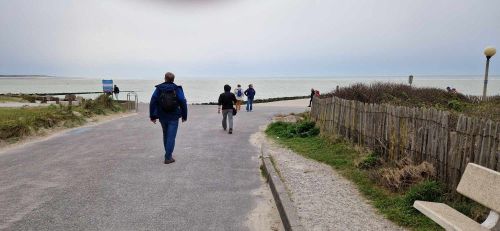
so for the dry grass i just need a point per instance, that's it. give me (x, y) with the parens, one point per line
(7, 98)
(18, 122)
(403, 175)
(400, 94)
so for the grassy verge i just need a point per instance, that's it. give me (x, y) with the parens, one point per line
(16, 123)
(405, 95)
(6, 99)
(342, 156)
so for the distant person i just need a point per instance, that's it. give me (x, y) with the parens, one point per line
(226, 100)
(448, 89)
(250, 93)
(168, 104)
(312, 96)
(454, 91)
(238, 92)
(116, 91)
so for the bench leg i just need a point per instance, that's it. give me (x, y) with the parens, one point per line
(492, 221)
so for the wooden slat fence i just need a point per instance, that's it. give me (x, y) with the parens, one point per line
(420, 134)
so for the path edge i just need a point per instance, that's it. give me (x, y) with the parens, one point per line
(287, 211)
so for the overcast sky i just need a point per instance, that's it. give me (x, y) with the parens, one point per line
(145, 38)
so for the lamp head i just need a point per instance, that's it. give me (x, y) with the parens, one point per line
(489, 52)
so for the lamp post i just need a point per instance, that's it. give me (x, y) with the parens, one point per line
(488, 52)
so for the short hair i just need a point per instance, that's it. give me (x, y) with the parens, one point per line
(169, 77)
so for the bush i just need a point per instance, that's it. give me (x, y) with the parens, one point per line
(427, 190)
(29, 98)
(98, 106)
(12, 130)
(404, 175)
(456, 105)
(371, 161)
(290, 130)
(398, 94)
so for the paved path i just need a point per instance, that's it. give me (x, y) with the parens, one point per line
(112, 177)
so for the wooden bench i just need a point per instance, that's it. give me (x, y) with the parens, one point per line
(479, 184)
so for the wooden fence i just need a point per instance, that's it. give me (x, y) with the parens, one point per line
(420, 134)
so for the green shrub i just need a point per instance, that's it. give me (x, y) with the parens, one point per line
(470, 208)
(306, 129)
(371, 161)
(428, 190)
(456, 105)
(290, 130)
(29, 98)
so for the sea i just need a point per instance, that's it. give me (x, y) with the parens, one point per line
(207, 89)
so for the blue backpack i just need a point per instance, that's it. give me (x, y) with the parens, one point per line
(239, 93)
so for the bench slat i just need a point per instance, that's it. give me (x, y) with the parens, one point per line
(482, 185)
(447, 217)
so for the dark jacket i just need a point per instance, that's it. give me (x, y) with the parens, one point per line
(116, 90)
(227, 99)
(250, 93)
(155, 111)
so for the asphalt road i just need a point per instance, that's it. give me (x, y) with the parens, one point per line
(112, 177)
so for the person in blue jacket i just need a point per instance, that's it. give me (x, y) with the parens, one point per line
(168, 93)
(250, 93)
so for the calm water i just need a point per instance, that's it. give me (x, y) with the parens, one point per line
(203, 90)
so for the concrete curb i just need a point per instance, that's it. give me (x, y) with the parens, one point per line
(284, 204)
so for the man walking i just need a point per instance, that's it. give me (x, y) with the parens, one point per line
(250, 93)
(168, 104)
(116, 90)
(227, 100)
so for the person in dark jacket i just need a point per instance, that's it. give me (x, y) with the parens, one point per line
(250, 93)
(116, 90)
(313, 92)
(226, 100)
(169, 120)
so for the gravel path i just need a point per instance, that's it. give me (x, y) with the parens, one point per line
(324, 199)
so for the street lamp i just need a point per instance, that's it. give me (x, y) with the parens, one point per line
(488, 52)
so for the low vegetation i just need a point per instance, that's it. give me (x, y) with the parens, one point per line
(405, 95)
(391, 187)
(19, 122)
(7, 99)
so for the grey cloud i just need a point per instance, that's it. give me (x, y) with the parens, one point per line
(247, 36)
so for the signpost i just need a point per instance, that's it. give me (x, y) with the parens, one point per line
(107, 86)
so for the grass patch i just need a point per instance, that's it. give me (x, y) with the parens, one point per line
(343, 157)
(7, 99)
(18, 122)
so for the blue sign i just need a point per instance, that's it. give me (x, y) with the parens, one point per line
(107, 86)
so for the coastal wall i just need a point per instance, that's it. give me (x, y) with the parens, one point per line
(421, 134)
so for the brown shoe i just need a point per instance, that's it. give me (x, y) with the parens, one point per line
(169, 161)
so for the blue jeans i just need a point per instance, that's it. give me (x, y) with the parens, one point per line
(249, 104)
(169, 128)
